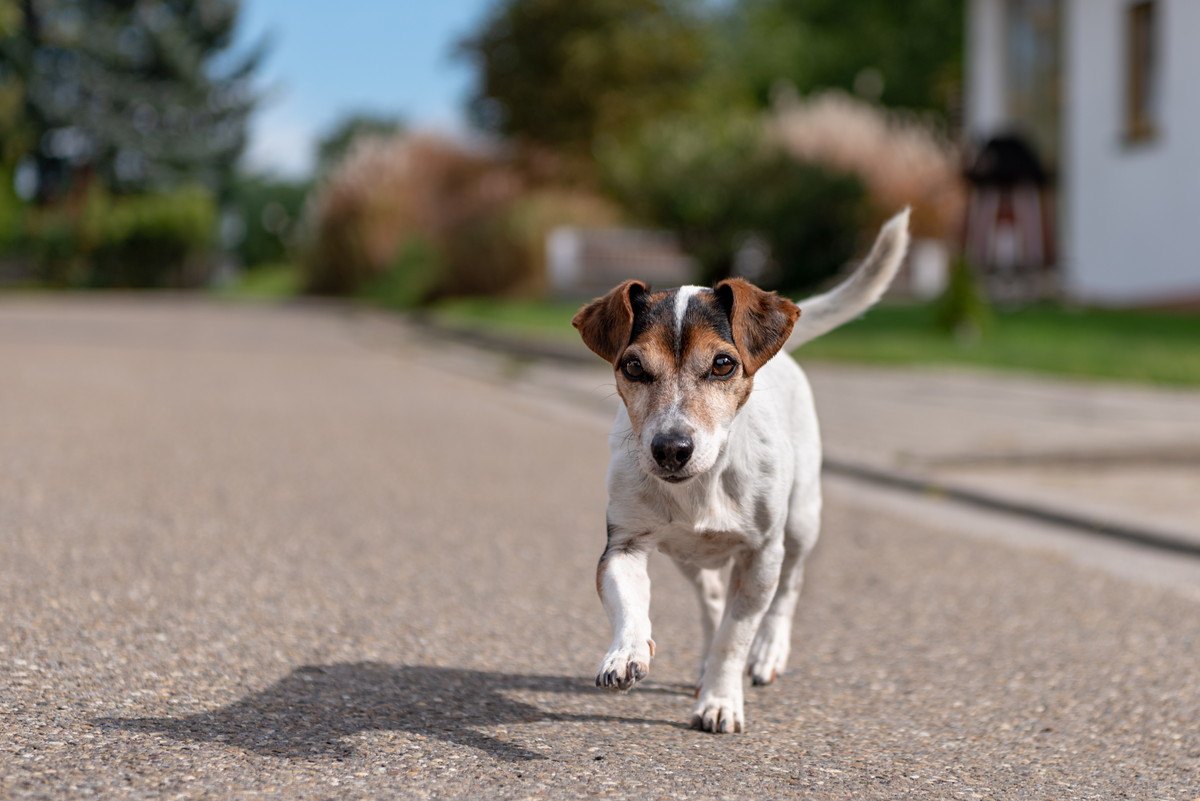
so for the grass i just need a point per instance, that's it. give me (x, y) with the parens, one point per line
(274, 281)
(545, 319)
(1149, 347)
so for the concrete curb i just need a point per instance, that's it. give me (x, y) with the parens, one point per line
(1161, 540)
(564, 353)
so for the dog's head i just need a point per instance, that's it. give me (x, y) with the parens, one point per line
(685, 361)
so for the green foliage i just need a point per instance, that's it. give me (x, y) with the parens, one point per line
(341, 137)
(145, 95)
(521, 317)
(11, 213)
(269, 210)
(410, 280)
(50, 239)
(903, 54)
(135, 241)
(962, 309)
(264, 282)
(559, 72)
(152, 240)
(809, 216)
(714, 182)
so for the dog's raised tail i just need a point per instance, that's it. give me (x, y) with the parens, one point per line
(823, 313)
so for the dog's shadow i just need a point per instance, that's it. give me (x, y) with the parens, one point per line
(308, 713)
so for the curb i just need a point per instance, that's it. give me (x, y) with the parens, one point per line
(535, 350)
(1161, 540)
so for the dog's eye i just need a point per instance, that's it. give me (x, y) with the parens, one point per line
(723, 366)
(633, 370)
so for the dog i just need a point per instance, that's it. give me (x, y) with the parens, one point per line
(716, 459)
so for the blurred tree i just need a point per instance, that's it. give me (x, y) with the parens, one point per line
(268, 211)
(716, 183)
(903, 54)
(143, 94)
(338, 141)
(13, 131)
(558, 72)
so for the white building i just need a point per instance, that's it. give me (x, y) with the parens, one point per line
(1109, 93)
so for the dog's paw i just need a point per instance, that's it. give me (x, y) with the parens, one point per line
(769, 653)
(719, 715)
(624, 667)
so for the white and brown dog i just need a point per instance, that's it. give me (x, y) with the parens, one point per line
(716, 458)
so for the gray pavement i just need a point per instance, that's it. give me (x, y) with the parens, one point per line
(305, 553)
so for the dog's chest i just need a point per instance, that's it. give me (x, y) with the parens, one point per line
(708, 529)
(702, 548)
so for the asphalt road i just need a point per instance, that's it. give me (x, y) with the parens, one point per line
(301, 553)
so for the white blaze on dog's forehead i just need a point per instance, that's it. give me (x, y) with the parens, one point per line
(682, 298)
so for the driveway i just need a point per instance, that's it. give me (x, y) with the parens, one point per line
(302, 552)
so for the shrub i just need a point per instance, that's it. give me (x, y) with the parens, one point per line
(149, 240)
(809, 216)
(11, 213)
(961, 309)
(899, 159)
(50, 239)
(133, 241)
(506, 252)
(389, 190)
(717, 183)
(409, 280)
(269, 212)
(413, 217)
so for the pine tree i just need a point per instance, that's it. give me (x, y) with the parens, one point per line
(142, 94)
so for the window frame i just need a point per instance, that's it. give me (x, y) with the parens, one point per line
(1142, 71)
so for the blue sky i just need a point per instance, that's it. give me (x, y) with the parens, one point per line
(329, 59)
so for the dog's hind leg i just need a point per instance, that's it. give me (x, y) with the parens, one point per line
(772, 644)
(710, 591)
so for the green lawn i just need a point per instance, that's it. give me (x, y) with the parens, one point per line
(268, 282)
(1121, 345)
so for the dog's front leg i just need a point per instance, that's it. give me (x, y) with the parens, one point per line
(624, 588)
(752, 583)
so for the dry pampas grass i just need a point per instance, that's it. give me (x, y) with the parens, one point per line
(900, 159)
(481, 217)
(388, 190)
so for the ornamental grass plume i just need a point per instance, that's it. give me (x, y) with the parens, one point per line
(390, 191)
(900, 159)
(437, 218)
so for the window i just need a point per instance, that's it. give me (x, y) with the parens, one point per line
(1031, 73)
(1141, 71)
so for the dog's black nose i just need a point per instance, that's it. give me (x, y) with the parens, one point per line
(671, 450)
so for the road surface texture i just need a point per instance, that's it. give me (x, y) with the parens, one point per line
(303, 553)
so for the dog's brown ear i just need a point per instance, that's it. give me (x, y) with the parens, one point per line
(605, 323)
(761, 321)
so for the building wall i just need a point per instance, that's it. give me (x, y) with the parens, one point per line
(1132, 211)
(985, 107)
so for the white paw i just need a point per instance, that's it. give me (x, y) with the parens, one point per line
(624, 667)
(719, 714)
(769, 653)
